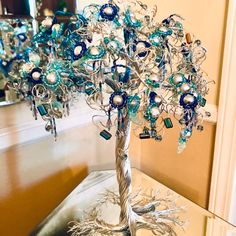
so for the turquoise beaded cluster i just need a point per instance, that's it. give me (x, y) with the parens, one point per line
(124, 63)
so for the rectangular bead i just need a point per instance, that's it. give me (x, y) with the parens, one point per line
(42, 110)
(105, 134)
(168, 123)
(203, 102)
(144, 136)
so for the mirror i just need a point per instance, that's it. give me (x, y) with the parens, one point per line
(15, 36)
(14, 7)
(45, 8)
(17, 24)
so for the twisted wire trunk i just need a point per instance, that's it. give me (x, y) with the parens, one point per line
(123, 171)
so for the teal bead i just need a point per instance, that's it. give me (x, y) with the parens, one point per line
(105, 134)
(42, 110)
(168, 123)
(203, 102)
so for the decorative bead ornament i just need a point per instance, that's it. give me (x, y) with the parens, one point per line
(125, 64)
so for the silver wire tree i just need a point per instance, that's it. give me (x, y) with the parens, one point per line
(129, 66)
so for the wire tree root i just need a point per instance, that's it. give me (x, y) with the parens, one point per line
(159, 215)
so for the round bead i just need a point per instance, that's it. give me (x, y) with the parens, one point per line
(153, 77)
(156, 40)
(94, 51)
(51, 78)
(36, 75)
(133, 103)
(178, 79)
(47, 22)
(155, 112)
(185, 88)
(163, 29)
(158, 100)
(188, 99)
(56, 27)
(77, 50)
(108, 11)
(118, 100)
(140, 46)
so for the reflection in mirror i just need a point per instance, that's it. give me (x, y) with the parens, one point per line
(48, 8)
(14, 7)
(15, 36)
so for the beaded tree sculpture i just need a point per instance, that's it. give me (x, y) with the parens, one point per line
(131, 67)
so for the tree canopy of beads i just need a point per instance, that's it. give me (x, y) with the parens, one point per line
(124, 61)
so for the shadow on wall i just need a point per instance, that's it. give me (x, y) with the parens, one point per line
(23, 208)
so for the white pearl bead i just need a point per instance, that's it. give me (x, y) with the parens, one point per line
(156, 39)
(94, 51)
(158, 100)
(108, 10)
(47, 22)
(36, 75)
(163, 29)
(178, 78)
(153, 77)
(51, 78)
(185, 87)
(77, 50)
(155, 112)
(21, 37)
(140, 46)
(133, 103)
(188, 99)
(118, 100)
(56, 27)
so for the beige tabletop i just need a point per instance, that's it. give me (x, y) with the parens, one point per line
(198, 222)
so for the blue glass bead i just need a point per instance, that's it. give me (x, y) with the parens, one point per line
(144, 46)
(42, 110)
(118, 100)
(188, 101)
(108, 11)
(35, 76)
(22, 37)
(78, 50)
(152, 96)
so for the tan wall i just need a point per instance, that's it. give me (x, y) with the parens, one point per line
(35, 177)
(189, 173)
